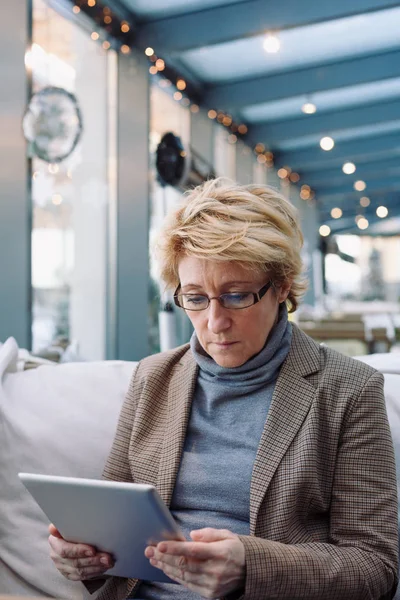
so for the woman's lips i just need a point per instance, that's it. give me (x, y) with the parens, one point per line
(224, 344)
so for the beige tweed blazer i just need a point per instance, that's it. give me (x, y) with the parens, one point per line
(323, 505)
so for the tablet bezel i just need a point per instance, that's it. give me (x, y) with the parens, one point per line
(121, 518)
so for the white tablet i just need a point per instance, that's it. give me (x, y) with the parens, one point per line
(115, 517)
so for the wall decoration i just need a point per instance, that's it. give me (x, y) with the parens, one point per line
(52, 124)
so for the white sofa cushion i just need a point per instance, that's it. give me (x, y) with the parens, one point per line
(56, 420)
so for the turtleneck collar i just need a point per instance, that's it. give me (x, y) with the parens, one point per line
(261, 368)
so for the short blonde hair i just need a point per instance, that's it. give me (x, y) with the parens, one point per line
(253, 225)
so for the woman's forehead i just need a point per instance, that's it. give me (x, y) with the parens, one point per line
(198, 271)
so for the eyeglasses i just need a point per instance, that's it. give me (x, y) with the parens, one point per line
(232, 300)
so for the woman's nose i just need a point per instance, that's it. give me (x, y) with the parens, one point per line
(218, 317)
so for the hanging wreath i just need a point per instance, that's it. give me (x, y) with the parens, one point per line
(52, 124)
(171, 163)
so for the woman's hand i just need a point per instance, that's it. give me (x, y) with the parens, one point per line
(213, 565)
(77, 562)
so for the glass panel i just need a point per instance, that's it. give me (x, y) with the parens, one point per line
(71, 198)
(166, 115)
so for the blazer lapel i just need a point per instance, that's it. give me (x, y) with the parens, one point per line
(180, 395)
(291, 401)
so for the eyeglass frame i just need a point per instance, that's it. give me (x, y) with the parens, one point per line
(257, 296)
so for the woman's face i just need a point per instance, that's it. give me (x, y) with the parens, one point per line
(230, 336)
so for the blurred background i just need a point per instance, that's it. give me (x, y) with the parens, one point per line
(110, 110)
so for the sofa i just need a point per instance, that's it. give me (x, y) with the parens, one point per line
(61, 419)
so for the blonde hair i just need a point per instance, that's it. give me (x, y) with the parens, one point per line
(253, 225)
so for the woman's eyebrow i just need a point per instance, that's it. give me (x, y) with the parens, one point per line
(225, 284)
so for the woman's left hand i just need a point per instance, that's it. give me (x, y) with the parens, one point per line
(213, 565)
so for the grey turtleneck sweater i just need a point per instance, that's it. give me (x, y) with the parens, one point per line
(228, 414)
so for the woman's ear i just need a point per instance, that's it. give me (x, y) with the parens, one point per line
(283, 291)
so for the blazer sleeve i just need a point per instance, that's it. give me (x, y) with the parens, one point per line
(361, 560)
(117, 469)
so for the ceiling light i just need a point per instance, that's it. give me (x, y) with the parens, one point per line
(382, 212)
(271, 44)
(336, 213)
(362, 223)
(327, 143)
(309, 108)
(349, 168)
(324, 230)
(365, 201)
(360, 185)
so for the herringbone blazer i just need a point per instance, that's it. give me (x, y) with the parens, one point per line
(323, 505)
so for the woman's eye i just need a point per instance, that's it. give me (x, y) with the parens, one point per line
(195, 299)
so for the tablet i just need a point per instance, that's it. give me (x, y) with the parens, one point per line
(115, 517)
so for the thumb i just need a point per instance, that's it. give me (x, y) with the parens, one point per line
(54, 531)
(209, 534)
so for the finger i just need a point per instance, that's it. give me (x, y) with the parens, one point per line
(179, 562)
(194, 550)
(196, 582)
(104, 561)
(54, 531)
(74, 574)
(209, 534)
(70, 550)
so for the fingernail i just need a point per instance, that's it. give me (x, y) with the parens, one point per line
(104, 560)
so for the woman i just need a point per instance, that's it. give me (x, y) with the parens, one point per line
(274, 453)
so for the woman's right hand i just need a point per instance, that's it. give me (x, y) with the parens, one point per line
(77, 562)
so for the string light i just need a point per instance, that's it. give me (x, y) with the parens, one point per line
(181, 84)
(336, 213)
(56, 199)
(153, 70)
(324, 230)
(76, 10)
(212, 114)
(125, 49)
(106, 45)
(232, 139)
(178, 96)
(160, 64)
(309, 108)
(382, 212)
(107, 19)
(95, 36)
(349, 168)
(282, 173)
(149, 51)
(362, 223)
(242, 129)
(360, 185)
(294, 177)
(262, 159)
(125, 27)
(327, 143)
(271, 44)
(365, 201)
(194, 108)
(91, 3)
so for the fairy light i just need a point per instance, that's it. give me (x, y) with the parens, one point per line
(324, 230)
(149, 51)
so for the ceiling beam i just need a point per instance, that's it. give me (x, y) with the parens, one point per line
(221, 24)
(358, 149)
(348, 225)
(326, 123)
(338, 193)
(321, 78)
(351, 209)
(374, 169)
